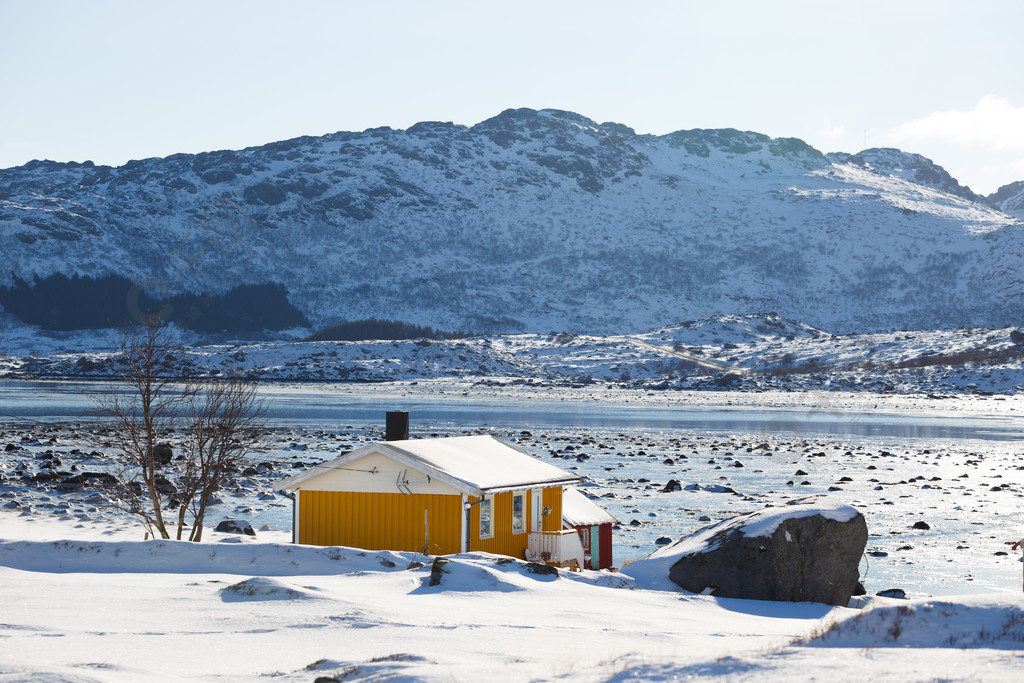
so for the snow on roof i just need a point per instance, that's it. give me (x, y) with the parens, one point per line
(483, 462)
(472, 464)
(578, 510)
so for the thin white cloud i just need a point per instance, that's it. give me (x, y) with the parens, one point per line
(833, 130)
(994, 122)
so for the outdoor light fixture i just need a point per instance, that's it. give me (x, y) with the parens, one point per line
(547, 511)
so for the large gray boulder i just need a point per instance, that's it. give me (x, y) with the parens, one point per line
(806, 551)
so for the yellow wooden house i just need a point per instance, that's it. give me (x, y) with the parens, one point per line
(438, 496)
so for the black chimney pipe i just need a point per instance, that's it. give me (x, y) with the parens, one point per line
(396, 426)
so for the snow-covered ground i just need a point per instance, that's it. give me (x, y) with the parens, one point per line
(84, 598)
(237, 609)
(121, 608)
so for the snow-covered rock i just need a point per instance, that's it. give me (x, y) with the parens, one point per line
(803, 551)
(236, 526)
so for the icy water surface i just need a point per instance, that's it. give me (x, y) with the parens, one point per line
(314, 405)
(955, 471)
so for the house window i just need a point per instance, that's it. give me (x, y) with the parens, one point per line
(486, 529)
(518, 513)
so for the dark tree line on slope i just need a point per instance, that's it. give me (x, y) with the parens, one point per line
(220, 421)
(372, 328)
(58, 302)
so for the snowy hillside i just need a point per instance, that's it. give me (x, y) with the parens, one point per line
(747, 353)
(533, 221)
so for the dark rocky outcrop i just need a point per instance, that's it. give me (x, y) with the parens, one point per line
(78, 481)
(236, 526)
(164, 485)
(540, 568)
(728, 379)
(1008, 198)
(796, 553)
(162, 453)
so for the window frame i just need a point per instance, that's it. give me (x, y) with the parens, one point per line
(486, 503)
(521, 528)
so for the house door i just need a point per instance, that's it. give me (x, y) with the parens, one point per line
(538, 510)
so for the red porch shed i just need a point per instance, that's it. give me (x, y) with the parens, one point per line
(594, 525)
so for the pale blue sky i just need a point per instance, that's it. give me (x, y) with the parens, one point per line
(113, 81)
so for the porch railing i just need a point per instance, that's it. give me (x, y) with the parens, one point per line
(561, 548)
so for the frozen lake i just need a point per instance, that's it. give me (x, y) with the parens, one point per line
(950, 463)
(330, 405)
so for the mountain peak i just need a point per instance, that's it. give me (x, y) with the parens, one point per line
(702, 142)
(907, 165)
(522, 125)
(1009, 198)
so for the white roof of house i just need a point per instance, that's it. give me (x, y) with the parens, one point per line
(472, 464)
(578, 510)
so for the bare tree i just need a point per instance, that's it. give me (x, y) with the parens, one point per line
(142, 402)
(225, 422)
(221, 422)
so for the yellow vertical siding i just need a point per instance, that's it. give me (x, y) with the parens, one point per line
(504, 541)
(553, 500)
(392, 521)
(380, 521)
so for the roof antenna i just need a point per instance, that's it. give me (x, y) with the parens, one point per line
(404, 483)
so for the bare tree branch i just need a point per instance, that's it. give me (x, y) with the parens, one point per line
(143, 403)
(225, 423)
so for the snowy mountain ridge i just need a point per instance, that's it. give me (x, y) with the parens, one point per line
(1009, 198)
(887, 161)
(535, 221)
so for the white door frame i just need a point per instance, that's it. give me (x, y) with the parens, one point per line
(537, 496)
